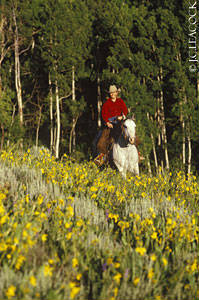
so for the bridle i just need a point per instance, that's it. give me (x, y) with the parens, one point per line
(127, 139)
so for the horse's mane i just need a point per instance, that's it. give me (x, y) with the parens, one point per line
(116, 131)
(116, 134)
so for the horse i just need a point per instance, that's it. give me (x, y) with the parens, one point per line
(124, 150)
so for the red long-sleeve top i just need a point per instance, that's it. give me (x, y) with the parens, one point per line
(112, 109)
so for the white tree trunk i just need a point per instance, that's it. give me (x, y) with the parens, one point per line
(154, 153)
(17, 71)
(38, 127)
(148, 164)
(71, 134)
(197, 91)
(5, 43)
(158, 119)
(153, 145)
(99, 103)
(58, 120)
(182, 123)
(183, 143)
(72, 140)
(164, 134)
(2, 46)
(54, 138)
(189, 154)
(188, 134)
(51, 115)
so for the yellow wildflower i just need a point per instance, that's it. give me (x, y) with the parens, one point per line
(19, 262)
(80, 223)
(117, 265)
(153, 257)
(28, 225)
(71, 198)
(115, 291)
(74, 289)
(123, 225)
(165, 262)
(110, 188)
(70, 211)
(93, 189)
(40, 199)
(136, 281)
(25, 234)
(169, 221)
(27, 198)
(117, 278)
(75, 262)
(94, 196)
(44, 237)
(113, 216)
(3, 220)
(69, 235)
(2, 209)
(137, 217)
(194, 266)
(109, 261)
(74, 292)
(140, 250)
(43, 216)
(154, 235)
(150, 274)
(33, 281)
(11, 291)
(47, 270)
(51, 261)
(187, 287)
(79, 276)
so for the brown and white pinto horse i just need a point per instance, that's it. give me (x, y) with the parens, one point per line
(125, 153)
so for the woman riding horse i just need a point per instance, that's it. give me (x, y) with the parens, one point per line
(113, 110)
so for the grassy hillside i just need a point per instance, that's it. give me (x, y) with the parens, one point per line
(69, 231)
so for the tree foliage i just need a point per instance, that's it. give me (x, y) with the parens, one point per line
(142, 47)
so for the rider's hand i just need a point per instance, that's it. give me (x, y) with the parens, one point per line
(120, 118)
(109, 125)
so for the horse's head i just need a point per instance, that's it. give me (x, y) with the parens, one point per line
(129, 130)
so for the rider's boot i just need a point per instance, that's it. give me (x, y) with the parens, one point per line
(100, 159)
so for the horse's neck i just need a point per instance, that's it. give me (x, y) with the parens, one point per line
(122, 142)
(116, 132)
(118, 136)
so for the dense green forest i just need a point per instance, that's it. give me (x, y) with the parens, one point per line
(58, 58)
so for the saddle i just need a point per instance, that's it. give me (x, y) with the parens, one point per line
(105, 145)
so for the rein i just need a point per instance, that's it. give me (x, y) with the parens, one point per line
(126, 138)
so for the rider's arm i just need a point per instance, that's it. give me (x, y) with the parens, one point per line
(109, 124)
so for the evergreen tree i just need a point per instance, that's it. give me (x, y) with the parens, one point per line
(64, 42)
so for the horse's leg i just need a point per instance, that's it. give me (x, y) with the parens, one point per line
(136, 169)
(119, 160)
(136, 166)
(133, 160)
(121, 168)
